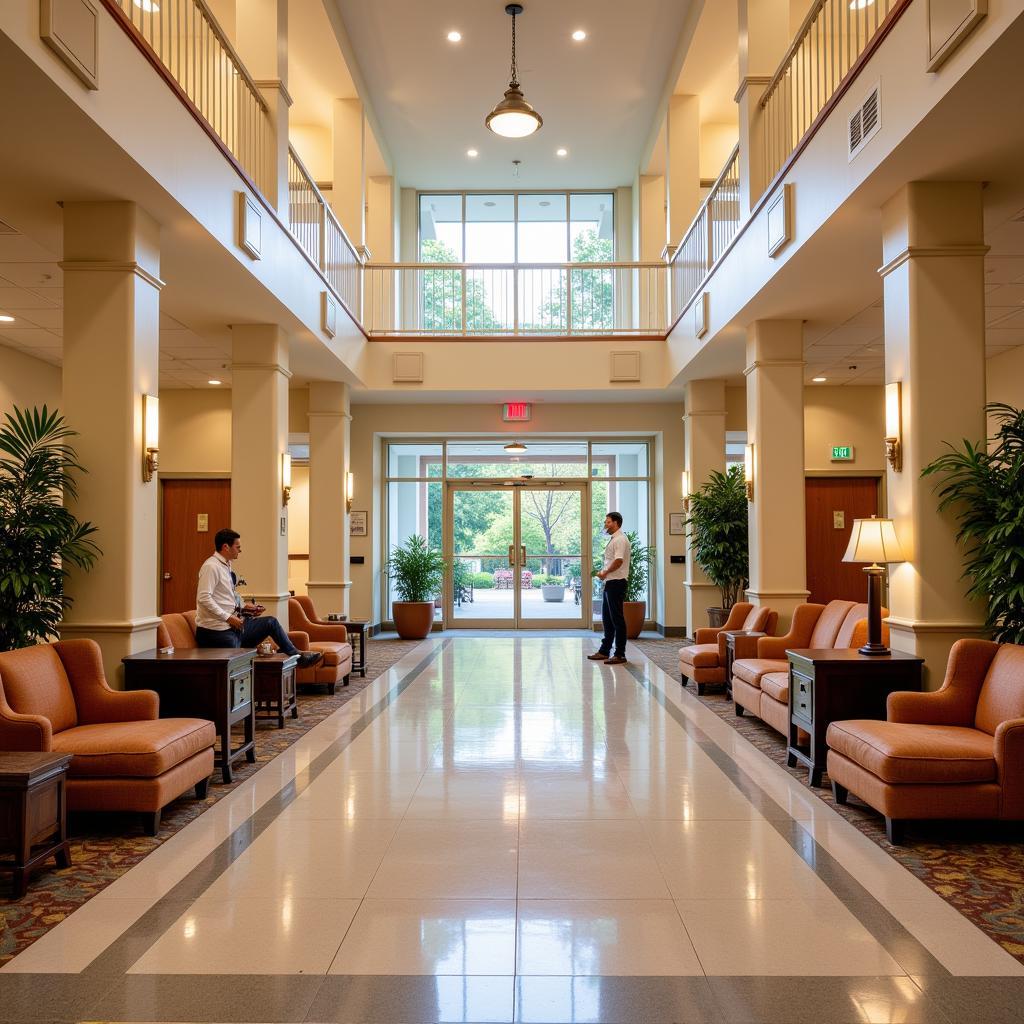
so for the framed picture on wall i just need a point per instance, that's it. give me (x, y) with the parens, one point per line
(357, 524)
(676, 523)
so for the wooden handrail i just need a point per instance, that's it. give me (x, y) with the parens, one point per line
(328, 211)
(231, 51)
(617, 265)
(707, 201)
(801, 32)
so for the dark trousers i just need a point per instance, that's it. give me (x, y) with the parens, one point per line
(251, 633)
(613, 618)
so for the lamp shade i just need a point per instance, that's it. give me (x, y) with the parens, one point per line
(874, 540)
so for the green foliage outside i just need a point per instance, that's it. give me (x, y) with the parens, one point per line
(416, 571)
(593, 290)
(641, 558)
(483, 580)
(982, 487)
(544, 580)
(39, 537)
(441, 301)
(718, 524)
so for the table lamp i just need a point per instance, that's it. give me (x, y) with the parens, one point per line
(874, 540)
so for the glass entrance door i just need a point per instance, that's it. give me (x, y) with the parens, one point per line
(518, 556)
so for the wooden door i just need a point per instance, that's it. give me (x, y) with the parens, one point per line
(831, 501)
(186, 539)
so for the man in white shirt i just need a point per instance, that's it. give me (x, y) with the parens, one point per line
(615, 572)
(221, 618)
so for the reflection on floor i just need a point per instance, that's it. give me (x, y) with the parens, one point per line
(496, 830)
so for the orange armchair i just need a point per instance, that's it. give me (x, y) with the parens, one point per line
(55, 697)
(704, 661)
(955, 753)
(330, 638)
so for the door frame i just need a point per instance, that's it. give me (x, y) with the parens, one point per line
(583, 620)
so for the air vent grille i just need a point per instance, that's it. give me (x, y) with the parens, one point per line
(865, 122)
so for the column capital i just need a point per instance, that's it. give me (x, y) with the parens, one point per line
(914, 252)
(761, 364)
(274, 85)
(330, 415)
(754, 82)
(283, 370)
(703, 412)
(115, 266)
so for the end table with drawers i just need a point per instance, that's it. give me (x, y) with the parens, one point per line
(828, 686)
(274, 682)
(731, 636)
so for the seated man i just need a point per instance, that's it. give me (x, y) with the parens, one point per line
(221, 618)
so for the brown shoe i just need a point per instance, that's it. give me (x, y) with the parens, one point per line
(616, 660)
(597, 656)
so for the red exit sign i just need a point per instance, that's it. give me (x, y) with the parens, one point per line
(515, 412)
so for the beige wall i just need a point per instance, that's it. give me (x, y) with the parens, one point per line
(27, 382)
(844, 415)
(195, 432)
(298, 530)
(1005, 378)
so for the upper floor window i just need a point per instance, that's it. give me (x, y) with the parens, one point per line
(517, 227)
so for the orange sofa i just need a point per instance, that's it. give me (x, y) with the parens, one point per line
(330, 638)
(55, 697)
(760, 683)
(704, 661)
(955, 753)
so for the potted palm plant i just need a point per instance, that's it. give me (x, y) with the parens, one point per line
(718, 539)
(634, 607)
(39, 537)
(417, 574)
(982, 487)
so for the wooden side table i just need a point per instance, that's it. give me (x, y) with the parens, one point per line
(830, 686)
(33, 813)
(731, 635)
(274, 682)
(215, 683)
(357, 627)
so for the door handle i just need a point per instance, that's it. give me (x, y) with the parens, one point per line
(512, 555)
(522, 554)
(167, 576)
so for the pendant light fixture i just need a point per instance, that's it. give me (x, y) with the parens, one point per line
(515, 448)
(513, 117)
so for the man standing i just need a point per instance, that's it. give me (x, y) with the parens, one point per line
(614, 573)
(221, 618)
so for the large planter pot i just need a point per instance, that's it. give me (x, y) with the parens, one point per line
(635, 612)
(413, 619)
(553, 591)
(717, 617)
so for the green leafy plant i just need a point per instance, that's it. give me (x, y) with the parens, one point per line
(718, 521)
(641, 559)
(416, 571)
(483, 580)
(39, 537)
(983, 486)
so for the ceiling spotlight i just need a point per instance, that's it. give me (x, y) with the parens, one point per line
(213, 382)
(562, 151)
(5, 319)
(579, 35)
(472, 153)
(454, 36)
(515, 448)
(819, 380)
(513, 117)
(149, 6)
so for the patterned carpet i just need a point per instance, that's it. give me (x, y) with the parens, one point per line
(104, 847)
(976, 867)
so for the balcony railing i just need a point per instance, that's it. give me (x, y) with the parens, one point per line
(184, 37)
(708, 236)
(831, 40)
(494, 299)
(316, 229)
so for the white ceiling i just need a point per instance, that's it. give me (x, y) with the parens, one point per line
(598, 98)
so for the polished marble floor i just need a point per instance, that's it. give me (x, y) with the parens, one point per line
(498, 829)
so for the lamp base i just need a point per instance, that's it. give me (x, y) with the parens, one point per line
(872, 650)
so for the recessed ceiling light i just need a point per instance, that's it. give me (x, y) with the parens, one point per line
(579, 35)
(149, 6)
(4, 318)
(819, 380)
(561, 151)
(213, 382)
(454, 36)
(472, 153)
(515, 448)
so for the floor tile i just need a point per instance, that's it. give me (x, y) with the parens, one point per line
(552, 796)
(479, 795)
(356, 796)
(603, 937)
(691, 797)
(405, 937)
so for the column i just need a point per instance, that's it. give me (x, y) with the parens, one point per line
(348, 195)
(262, 37)
(259, 438)
(111, 359)
(330, 422)
(704, 425)
(775, 428)
(651, 308)
(683, 165)
(934, 279)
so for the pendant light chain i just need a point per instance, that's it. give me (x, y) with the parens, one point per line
(515, 76)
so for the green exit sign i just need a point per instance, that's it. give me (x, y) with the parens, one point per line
(842, 453)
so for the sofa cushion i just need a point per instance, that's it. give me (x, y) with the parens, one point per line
(826, 629)
(36, 683)
(1002, 693)
(751, 670)
(700, 655)
(334, 654)
(133, 749)
(776, 685)
(898, 752)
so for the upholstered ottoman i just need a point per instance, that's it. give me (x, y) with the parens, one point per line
(335, 667)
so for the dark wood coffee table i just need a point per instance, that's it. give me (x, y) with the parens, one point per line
(215, 683)
(275, 686)
(33, 813)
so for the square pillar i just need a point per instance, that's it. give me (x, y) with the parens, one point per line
(348, 194)
(704, 426)
(259, 439)
(775, 428)
(330, 423)
(683, 165)
(934, 279)
(111, 359)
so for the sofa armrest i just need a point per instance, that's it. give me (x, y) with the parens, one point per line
(95, 700)
(706, 634)
(299, 638)
(23, 732)
(335, 632)
(1009, 750)
(940, 707)
(773, 647)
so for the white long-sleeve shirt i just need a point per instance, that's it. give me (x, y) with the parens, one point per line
(215, 596)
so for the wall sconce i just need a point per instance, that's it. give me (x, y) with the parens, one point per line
(748, 470)
(350, 486)
(150, 435)
(684, 487)
(286, 478)
(894, 425)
